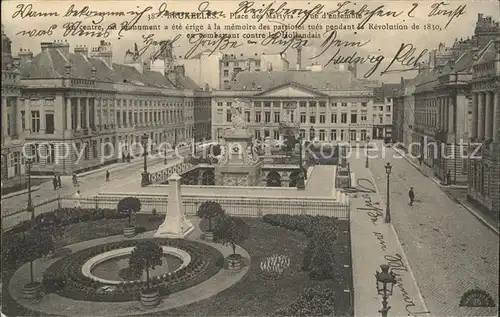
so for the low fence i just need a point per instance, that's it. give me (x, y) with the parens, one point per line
(236, 206)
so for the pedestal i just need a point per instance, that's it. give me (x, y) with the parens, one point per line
(175, 224)
(145, 179)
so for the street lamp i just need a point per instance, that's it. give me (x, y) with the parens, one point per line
(165, 147)
(367, 143)
(145, 174)
(302, 175)
(385, 284)
(29, 208)
(388, 168)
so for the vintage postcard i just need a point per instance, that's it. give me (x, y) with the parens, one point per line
(250, 158)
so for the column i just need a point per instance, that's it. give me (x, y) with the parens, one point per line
(27, 111)
(97, 121)
(42, 118)
(451, 115)
(481, 113)
(78, 114)
(4, 117)
(19, 124)
(102, 121)
(87, 113)
(473, 132)
(488, 125)
(496, 117)
(68, 114)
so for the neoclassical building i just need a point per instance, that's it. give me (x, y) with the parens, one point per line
(326, 105)
(484, 166)
(98, 108)
(12, 134)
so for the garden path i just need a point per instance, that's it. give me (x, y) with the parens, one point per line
(58, 305)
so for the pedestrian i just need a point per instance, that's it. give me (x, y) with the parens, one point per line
(107, 176)
(420, 160)
(448, 178)
(411, 194)
(54, 182)
(59, 183)
(77, 198)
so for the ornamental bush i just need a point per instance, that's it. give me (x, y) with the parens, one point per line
(128, 206)
(209, 210)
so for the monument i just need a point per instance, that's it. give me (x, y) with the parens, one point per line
(239, 165)
(175, 225)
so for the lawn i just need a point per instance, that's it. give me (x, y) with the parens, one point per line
(252, 295)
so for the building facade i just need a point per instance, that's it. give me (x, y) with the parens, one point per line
(78, 110)
(383, 103)
(326, 106)
(12, 132)
(484, 166)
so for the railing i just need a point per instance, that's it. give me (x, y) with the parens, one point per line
(236, 206)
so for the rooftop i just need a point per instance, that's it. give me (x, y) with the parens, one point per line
(323, 81)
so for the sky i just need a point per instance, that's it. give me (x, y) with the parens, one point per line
(376, 42)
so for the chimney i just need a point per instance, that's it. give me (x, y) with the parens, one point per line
(63, 47)
(475, 54)
(104, 52)
(179, 69)
(25, 55)
(299, 58)
(67, 70)
(94, 72)
(82, 49)
(45, 45)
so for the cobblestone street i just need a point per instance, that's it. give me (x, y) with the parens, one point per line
(449, 250)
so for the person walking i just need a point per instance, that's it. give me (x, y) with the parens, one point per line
(411, 194)
(77, 198)
(107, 175)
(54, 182)
(59, 183)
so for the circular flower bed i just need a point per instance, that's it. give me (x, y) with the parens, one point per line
(65, 276)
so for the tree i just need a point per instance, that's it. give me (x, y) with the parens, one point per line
(146, 255)
(230, 231)
(34, 245)
(209, 210)
(128, 206)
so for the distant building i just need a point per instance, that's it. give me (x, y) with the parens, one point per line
(219, 70)
(326, 106)
(382, 110)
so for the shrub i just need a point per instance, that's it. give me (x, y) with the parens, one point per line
(209, 210)
(230, 231)
(145, 256)
(127, 206)
(313, 302)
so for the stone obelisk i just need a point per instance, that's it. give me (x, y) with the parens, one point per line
(175, 225)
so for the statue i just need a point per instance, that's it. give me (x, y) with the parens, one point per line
(236, 115)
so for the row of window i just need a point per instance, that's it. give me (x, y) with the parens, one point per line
(303, 117)
(334, 134)
(302, 104)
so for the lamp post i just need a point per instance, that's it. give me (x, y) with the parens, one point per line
(388, 168)
(30, 208)
(165, 147)
(301, 176)
(367, 143)
(145, 174)
(385, 284)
